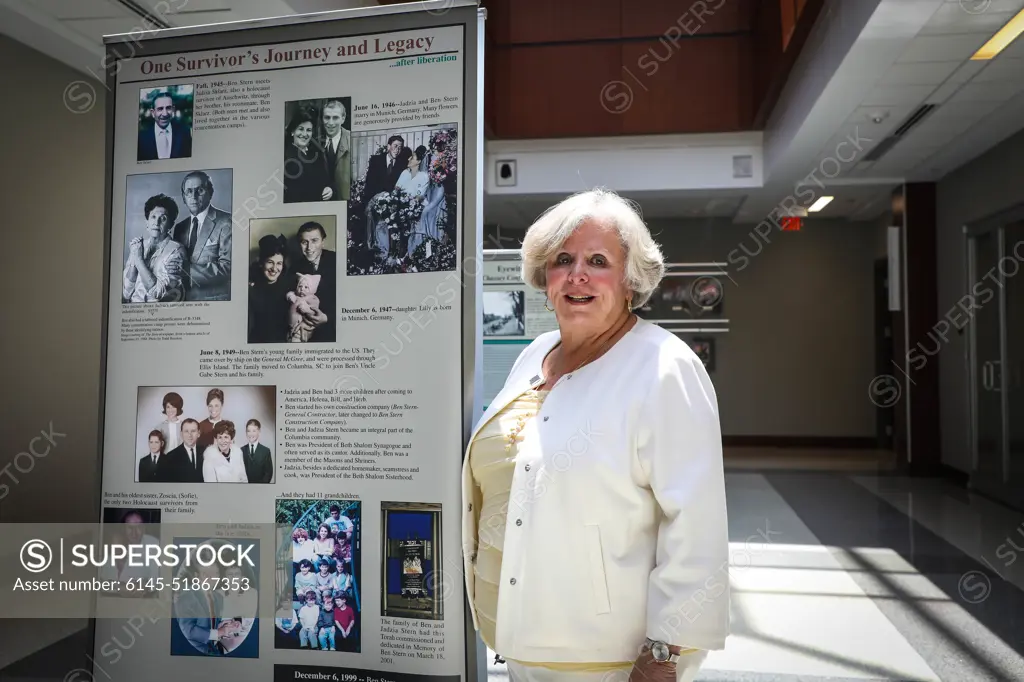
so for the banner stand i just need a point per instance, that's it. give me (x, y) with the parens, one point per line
(291, 349)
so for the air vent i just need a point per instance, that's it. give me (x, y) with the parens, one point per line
(743, 166)
(883, 147)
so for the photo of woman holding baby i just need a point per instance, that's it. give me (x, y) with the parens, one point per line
(293, 280)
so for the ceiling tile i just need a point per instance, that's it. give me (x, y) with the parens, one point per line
(943, 93)
(80, 9)
(942, 48)
(953, 18)
(893, 95)
(1002, 69)
(968, 70)
(985, 92)
(919, 73)
(97, 28)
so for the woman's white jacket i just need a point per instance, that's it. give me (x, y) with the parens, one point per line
(616, 525)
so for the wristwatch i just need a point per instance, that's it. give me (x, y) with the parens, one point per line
(661, 651)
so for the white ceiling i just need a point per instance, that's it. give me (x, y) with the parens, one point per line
(908, 53)
(867, 60)
(72, 30)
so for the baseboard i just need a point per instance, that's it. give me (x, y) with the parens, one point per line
(820, 442)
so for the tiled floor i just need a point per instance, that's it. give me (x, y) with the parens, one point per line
(844, 576)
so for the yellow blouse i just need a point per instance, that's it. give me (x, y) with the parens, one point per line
(492, 466)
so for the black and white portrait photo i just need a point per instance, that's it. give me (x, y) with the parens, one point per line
(402, 211)
(177, 237)
(504, 313)
(165, 122)
(205, 434)
(317, 150)
(293, 280)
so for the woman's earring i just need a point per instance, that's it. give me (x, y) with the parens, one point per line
(546, 307)
(629, 305)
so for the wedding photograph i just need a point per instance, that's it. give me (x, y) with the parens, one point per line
(504, 313)
(293, 279)
(177, 237)
(318, 575)
(205, 434)
(230, 593)
(402, 211)
(165, 122)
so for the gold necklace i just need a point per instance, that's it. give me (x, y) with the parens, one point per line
(514, 433)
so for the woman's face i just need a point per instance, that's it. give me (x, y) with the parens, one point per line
(323, 533)
(586, 279)
(273, 267)
(414, 162)
(214, 407)
(157, 223)
(171, 411)
(302, 133)
(154, 444)
(224, 442)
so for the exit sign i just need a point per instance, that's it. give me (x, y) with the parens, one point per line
(792, 223)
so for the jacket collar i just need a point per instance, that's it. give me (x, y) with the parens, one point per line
(526, 375)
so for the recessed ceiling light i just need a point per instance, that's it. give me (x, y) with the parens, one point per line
(820, 204)
(1003, 37)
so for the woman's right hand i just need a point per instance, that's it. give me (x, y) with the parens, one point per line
(135, 248)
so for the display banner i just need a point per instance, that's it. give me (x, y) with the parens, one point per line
(293, 208)
(512, 315)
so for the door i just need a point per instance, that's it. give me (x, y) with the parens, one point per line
(986, 361)
(1013, 248)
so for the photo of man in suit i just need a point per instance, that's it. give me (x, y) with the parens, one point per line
(259, 465)
(199, 614)
(165, 137)
(384, 169)
(316, 260)
(183, 464)
(337, 145)
(206, 236)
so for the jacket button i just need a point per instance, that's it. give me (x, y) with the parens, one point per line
(527, 467)
(519, 522)
(512, 581)
(469, 508)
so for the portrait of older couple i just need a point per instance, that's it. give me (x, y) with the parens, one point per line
(205, 434)
(317, 150)
(177, 237)
(293, 279)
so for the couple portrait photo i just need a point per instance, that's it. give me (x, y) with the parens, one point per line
(403, 206)
(205, 434)
(317, 150)
(293, 280)
(177, 237)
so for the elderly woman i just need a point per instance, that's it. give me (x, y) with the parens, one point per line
(155, 266)
(594, 526)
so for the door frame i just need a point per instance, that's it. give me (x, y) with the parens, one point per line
(994, 224)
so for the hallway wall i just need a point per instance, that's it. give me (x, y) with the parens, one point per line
(987, 185)
(799, 355)
(53, 244)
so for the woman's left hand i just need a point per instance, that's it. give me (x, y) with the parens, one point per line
(327, 193)
(646, 669)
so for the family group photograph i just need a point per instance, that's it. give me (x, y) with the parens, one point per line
(205, 434)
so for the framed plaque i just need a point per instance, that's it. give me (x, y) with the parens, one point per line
(411, 560)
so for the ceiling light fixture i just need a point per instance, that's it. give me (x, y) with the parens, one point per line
(820, 204)
(1003, 37)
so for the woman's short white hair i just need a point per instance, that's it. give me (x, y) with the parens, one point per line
(645, 265)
